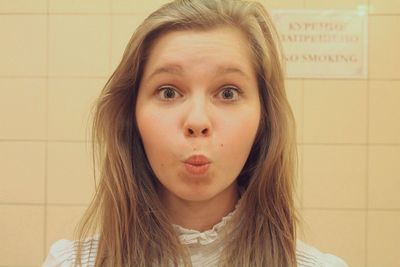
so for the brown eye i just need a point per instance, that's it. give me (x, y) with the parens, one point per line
(166, 93)
(230, 93)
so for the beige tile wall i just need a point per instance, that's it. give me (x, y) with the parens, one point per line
(57, 54)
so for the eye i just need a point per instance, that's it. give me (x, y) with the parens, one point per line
(166, 93)
(231, 93)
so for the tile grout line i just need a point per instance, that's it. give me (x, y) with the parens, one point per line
(302, 140)
(107, 76)
(111, 20)
(312, 208)
(297, 143)
(367, 156)
(302, 146)
(44, 140)
(349, 144)
(315, 208)
(88, 77)
(135, 13)
(93, 14)
(368, 141)
(30, 204)
(46, 132)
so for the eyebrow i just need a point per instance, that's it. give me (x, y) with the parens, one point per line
(177, 69)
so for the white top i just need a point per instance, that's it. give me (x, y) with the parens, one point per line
(205, 248)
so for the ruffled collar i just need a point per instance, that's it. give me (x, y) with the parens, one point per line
(190, 236)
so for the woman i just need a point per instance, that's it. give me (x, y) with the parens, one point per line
(196, 148)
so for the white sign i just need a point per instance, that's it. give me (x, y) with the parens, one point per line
(323, 43)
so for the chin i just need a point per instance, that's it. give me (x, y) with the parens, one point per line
(196, 193)
(197, 198)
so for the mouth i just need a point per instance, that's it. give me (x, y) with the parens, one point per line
(197, 169)
(197, 164)
(197, 160)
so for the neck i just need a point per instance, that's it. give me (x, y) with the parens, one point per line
(201, 215)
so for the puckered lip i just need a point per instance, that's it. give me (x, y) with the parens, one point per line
(197, 160)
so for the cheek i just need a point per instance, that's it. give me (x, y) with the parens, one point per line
(238, 136)
(156, 131)
(149, 124)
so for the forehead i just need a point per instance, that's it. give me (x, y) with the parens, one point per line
(219, 48)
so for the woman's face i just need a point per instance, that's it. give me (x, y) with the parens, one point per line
(198, 96)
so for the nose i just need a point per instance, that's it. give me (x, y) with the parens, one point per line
(197, 121)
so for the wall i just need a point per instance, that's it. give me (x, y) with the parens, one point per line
(57, 54)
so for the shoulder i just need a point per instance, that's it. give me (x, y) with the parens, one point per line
(309, 256)
(63, 252)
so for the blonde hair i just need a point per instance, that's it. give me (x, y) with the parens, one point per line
(126, 210)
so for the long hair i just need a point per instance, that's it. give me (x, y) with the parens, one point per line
(126, 210)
